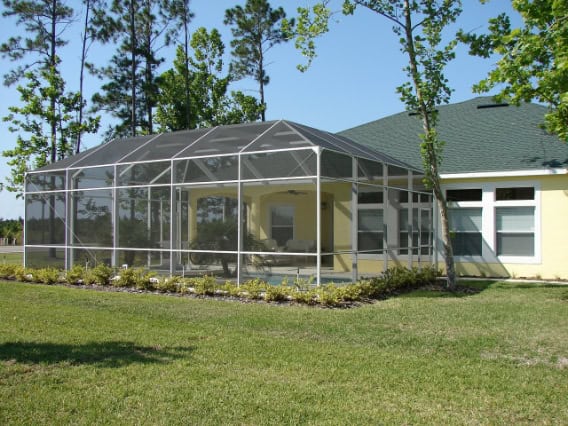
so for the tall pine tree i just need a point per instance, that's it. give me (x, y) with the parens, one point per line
(256, 29)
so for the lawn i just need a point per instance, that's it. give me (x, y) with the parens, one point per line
(16, 258)
(77, 356)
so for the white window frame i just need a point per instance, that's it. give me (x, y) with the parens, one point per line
(279, 205)
(488, 205)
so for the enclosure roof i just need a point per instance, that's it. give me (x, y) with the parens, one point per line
(480, 135)
(278, 135)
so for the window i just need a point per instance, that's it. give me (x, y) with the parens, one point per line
(515, 231)
(456, 195)
(465, 228)
(282, 224)
(505, 194)
(370, 232)
(421, 231)
(496, 221)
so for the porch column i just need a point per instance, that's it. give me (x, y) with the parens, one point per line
(354, 221)
(318, 216)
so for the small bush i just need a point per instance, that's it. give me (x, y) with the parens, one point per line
(278, 293)
(8, 271)
(135, 278)
(46, 275)
(75, 274)
(99, 275)
(170, 284)
(205, 285)
(254, 289)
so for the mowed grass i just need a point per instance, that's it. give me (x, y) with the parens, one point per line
(77, 356)
(16, 258)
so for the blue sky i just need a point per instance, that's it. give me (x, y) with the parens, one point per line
(352, 81)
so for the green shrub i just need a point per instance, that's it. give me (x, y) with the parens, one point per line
(309, 297)
(278, 293)
(254, 289)
(100, 275)
(8, 270)
(75, 274)
(205, 285)
(135, 278)
(171, 284)
(46, 275)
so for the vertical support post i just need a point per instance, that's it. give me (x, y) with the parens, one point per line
(435, 234)
(174, 217)
(239, 219)
(115, 219)
(24, 231)
(410, 235)
(354, 221)
(386, 213)
(318, 216)
(69, 223)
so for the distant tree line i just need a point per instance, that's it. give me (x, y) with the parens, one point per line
(11, 231)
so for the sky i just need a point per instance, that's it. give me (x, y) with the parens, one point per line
(352, 81)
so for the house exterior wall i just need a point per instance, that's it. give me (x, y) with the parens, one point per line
(551, 233)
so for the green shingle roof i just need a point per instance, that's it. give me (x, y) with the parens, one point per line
(480, 136)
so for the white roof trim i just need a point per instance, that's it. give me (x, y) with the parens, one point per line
(513, 173)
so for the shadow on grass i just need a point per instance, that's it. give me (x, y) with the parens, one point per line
(104, 354)
(463, 289)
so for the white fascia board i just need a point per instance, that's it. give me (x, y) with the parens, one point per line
(513, 173)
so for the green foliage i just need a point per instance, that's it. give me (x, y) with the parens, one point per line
(10, 271)
(136, 278)
(75, 274)
(170, 284)
(46, 275)
(99, 275)
(254, 289)
(11, 229)
(206, 285)
(533, 62)
(207, 103)
(256, 28)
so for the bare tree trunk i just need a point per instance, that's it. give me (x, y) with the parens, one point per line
(133, 54)
(81, 74)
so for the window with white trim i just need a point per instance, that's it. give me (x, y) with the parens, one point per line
(282, 224)
(370, 220)
(496, 221)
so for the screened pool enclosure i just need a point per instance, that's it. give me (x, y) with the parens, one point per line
(262, 200)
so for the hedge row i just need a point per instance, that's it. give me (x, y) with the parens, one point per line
(392, 281)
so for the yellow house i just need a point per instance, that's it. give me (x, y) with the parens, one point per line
(505, 180)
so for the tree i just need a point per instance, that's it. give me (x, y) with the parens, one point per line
(45, 123)
(418, 24)
(210, 104)
(256, 28)
(534, 58)
(141, 28)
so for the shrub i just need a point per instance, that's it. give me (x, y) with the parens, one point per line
(135, 278)
(309, 297)
(100, 275)
(8, 270)
(75, 274)
(254, 289)
(277, 293)
(46, 275)
(170, 284)
(205, 285)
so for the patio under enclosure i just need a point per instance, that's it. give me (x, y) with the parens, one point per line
(264, 200)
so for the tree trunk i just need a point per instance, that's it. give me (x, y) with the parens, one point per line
(81, 75)
(133, 53)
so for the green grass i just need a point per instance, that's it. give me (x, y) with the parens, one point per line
(16, 258)
(76, 356)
